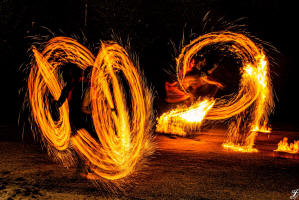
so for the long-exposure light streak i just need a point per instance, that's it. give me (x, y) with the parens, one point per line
(249, 108)
(123, 128)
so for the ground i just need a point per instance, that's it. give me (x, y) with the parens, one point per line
(181, 168)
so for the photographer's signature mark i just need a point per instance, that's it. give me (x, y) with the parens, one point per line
(295, 194)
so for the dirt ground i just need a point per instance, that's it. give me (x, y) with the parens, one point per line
(181, 168)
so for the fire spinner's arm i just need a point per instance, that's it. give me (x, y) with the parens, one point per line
(85, 108)
(205, 76)
(64, 95)
(211, 82)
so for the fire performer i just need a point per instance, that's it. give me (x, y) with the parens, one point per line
(197, 82)
(72, 92)
(86, 103)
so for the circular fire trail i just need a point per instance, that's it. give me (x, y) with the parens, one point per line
(248, 108)
(122, 126)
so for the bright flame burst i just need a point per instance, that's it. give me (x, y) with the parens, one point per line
(181, 118)
(249, 108)
(284, 146)
(123, 132)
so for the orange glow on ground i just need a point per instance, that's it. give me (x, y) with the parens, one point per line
(262, 129)
(239, 148)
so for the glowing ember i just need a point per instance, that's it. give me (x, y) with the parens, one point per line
(239, 148)
(284, 146)
(123, 134)
(262, 129)
(249, 108)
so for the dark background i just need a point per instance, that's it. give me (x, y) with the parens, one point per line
(150, 27)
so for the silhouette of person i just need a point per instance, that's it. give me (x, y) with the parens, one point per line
(197, 82)
(72, 92)
(86, 102)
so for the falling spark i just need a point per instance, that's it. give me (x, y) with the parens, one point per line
(123, 128)
(284, 146)
(249, 108)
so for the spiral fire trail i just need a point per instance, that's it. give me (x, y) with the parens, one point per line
(249, 108)
(122, 127)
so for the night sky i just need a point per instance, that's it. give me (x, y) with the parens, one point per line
(151, 27)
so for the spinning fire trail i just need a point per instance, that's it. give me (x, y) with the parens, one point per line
(123, 135)
(248, 109)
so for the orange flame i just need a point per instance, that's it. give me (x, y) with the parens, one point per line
(123, 135)
(249, 107)
(176, 120)
(284, 146)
